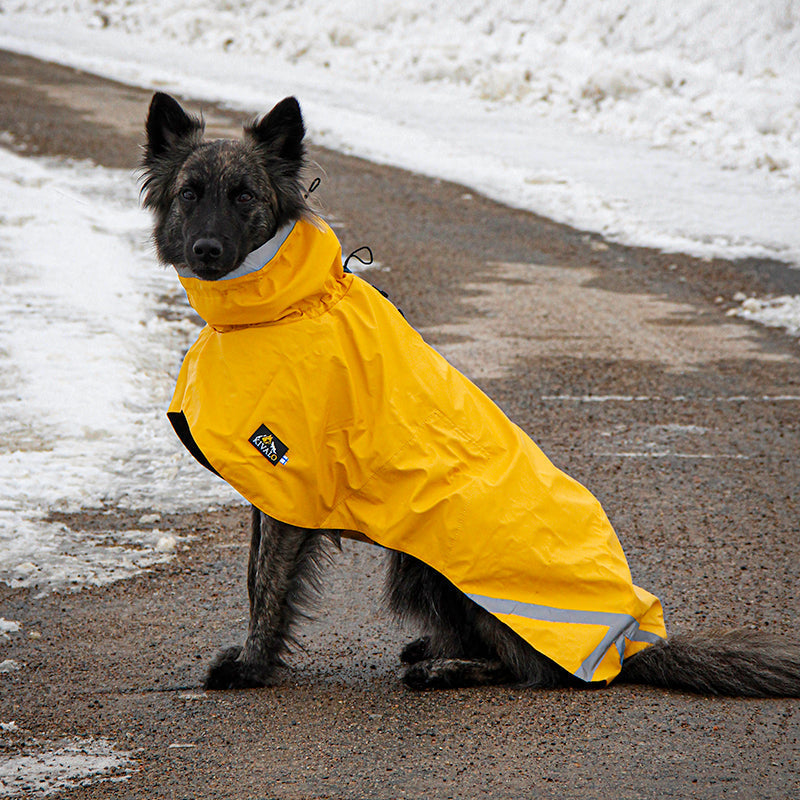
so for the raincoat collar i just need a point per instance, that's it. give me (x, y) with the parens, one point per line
(300, 276)
(254, 261)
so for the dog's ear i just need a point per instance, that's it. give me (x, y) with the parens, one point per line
(168, 124)
(172, 135)
(280, 133)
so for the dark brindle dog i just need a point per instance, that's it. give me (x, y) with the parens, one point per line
(214, 203)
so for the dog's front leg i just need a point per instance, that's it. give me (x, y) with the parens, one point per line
(282, 577)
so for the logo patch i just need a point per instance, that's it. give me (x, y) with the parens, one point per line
(269, 445)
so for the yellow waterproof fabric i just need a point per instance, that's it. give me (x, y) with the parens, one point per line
(309, 393)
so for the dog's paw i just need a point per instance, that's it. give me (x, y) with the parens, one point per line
(417, 676)
(416, 651)
(227, 672)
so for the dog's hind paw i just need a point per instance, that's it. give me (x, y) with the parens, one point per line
(453, 673)
(227, 672)
(415, 651)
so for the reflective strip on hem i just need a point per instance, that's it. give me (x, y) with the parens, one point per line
(620, 626)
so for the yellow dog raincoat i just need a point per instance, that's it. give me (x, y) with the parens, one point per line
(309, 393)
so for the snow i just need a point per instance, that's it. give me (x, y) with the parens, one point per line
(775, 312)
(55, 767)
(8, 626)
(91, 334)
(672, 125)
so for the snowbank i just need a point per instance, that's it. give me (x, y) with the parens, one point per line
(717, 78)
(670, 124)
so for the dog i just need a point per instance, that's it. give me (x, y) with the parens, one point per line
(214, 203)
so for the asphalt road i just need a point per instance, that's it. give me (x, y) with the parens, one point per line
(620, 362)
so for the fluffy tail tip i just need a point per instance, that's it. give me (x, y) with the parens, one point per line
(739, 663)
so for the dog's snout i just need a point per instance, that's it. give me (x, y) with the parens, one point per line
(207, 249)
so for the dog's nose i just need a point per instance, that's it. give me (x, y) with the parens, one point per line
(207, 249)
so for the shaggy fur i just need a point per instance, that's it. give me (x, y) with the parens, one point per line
(215, 202)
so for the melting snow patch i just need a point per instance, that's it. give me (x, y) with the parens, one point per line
(65, 765)
(66, 559)
(776, 312)
(91, 336)
(6, 627)
(166, 544)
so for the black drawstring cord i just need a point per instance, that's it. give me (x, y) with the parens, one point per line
(355, 254)
(357, 257)
(312, 188)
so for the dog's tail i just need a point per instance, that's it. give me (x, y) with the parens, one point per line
(741, 663)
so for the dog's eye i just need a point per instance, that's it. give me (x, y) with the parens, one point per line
(189, 195)
(245, 197)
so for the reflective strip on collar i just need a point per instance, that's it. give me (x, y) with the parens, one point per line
(620, 626)
(254, 261)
